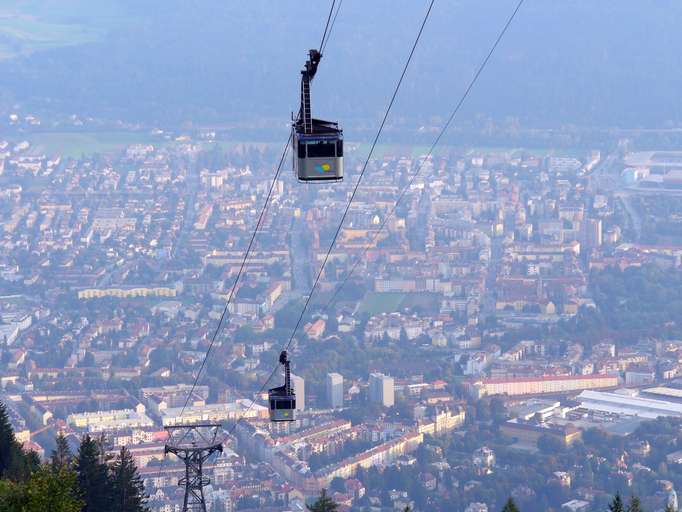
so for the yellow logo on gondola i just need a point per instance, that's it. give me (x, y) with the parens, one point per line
(286, 414)
(323, 168)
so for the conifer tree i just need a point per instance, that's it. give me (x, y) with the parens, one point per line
(7, 442)
(52, 490)
(15, 463)
(510, 506)
(634, 505)
(93, 477)
(323, 504)
(128, 489)
(617, 504)
(11, 496)
(61, 456)
(48, 490)
(218, 506)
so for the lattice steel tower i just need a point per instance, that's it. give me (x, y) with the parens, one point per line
(194, 444)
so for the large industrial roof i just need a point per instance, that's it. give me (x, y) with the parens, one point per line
(628, 405)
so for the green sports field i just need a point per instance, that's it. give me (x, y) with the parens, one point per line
(375, 303)
(75, 144)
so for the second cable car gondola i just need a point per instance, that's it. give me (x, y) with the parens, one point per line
(318, 144)
(282, 399)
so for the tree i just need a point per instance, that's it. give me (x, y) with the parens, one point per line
(510, 506)
(93, 477)
(550, 445)
(337, 484)
(48, 490)
(10, 496)
(8, 443)
(323, 504)
(88, 361)
(218, 506)
(634, 505)
(15, 463)
(404, 340)
(617, 504)
(128, 489)
(53, 490)
(61, 456)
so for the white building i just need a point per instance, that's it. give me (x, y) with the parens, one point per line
(101, 421)
(576, 506)
(642, 377)
(628, 405)
(381, 389)
(298, 383)
(163, 397)
(232, 411)
(335, 390)
(476, 507)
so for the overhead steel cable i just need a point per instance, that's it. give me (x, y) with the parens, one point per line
(350, 201)
(326, 27)
(324, 45)
(325, 39)
(362, 173)
(445, 127)
(239, 273)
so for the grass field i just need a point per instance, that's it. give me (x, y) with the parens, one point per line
(374, 303)
(75, 144)
(25, 34)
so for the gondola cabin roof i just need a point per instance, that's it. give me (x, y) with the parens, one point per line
(320, 127)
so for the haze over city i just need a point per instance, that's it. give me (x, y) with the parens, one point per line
(340, 256)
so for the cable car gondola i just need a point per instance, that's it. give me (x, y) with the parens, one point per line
(318, 144)
(282, 400)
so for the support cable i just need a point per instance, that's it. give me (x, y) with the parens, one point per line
(324, 45)
(326, 27)
(362, 173)
(473, 81)
(239, 273)
(325, 38)
(350, 201)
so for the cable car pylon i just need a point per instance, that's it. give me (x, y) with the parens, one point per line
(193, 445)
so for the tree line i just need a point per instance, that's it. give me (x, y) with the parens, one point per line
(88, 481)
(616, 505)
(325, 504)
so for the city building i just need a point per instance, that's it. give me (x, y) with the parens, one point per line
(530, 431)
(476, 507)
(101, 421)
(381, 389)
(576, 506)
(540, 385)
(213, 412)
(299, 389)
(629, 404)
(335, 390)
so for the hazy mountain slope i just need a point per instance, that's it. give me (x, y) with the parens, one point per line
(612, 62)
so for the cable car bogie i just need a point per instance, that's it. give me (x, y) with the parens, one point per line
(282, 399)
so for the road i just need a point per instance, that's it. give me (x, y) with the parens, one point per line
(603, 177)
(190, 213)
(489, 297)
(300, 256)
(635, 218)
